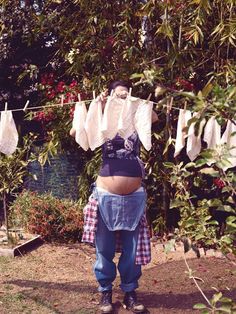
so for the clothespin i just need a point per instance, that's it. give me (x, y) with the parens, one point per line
(130, 91)
(26, 105)
(94, 95)
(169, 105)
(185, 106)
(79, 97)
(62, 100)
(149, 97)
(6, 106)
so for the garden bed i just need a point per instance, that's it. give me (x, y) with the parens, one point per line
(18, 243)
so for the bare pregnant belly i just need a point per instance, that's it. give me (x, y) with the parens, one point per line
(119, 185)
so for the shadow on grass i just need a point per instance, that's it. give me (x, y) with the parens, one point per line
(87, 295)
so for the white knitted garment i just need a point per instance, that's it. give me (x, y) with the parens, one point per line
(8, 133)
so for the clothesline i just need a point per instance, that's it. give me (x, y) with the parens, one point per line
(74, 102)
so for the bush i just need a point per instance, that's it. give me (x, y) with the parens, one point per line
(56, 220)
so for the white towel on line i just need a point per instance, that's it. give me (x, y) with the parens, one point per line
(93, 124)
(184, 117)
(111, 116)
(229, 138)
(143, 123)
(126, 124)
(78, 123)
(212, 133)
(194, 144)
(121, 117)
(8, 133)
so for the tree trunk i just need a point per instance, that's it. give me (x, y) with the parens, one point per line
(5, 213)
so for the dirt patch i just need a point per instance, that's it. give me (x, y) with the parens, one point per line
(59, 279)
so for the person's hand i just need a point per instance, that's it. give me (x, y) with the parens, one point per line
(103, 97)
(72, 132)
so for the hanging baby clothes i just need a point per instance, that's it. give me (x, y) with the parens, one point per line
(111, 116)
(229, 138)
(78, 123)
(125, 116)
(8, 133)
(126, 125)
(143, 123)
(93, 124)
(212, 133)
(194, 141)
(184, 117)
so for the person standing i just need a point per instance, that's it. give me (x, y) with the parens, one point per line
(121, 203)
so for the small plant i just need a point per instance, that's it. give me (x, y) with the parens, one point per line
(57, 220)
(13, 169)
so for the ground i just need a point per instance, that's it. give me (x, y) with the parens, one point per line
(59, 279)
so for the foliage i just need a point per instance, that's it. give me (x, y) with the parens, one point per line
(217, 304)
(184, 51)
(88, 176)
(57, 220)
(214, 198)
(13, 169)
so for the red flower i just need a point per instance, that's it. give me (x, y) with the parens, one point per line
(72, 109)
(70, 97)
(60, 87)
(219, 183)
(111, 41)
(44, 116)
(50, 94)
(184, 84)
(47, 79)
(73, 84)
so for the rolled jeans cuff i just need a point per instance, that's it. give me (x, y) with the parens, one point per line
(106, 288)
(128, 287)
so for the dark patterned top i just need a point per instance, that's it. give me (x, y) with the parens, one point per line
(120, 157)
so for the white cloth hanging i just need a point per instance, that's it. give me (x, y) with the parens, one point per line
(125, 116)
(229, 138)
(93, 124)
(212, 133)
(78, 123)
(121, 116)
(184, 117)
(194, 144)
(143, 123)
(8, 133)
(111, 116)
(126, 125)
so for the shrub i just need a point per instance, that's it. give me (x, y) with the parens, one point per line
(56, 220)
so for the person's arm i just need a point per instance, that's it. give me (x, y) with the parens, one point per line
(72, 132)
(154, 116)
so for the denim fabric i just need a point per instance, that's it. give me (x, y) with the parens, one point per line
(105, 268)
(121, 212)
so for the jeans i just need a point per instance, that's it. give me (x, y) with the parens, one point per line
(121, 212)
(105, 268)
